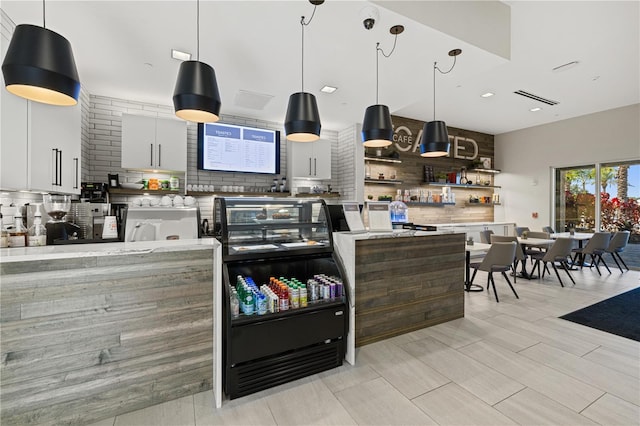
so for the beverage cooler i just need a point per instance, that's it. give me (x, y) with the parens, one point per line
(284, 303)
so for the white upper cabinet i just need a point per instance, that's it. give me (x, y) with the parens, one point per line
(151, 143)
(311, 160)
(55, 144)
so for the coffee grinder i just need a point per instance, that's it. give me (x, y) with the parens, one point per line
(57, 207)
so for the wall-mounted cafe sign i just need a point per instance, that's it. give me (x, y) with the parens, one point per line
(465, 144)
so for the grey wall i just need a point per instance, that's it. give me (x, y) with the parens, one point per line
(526, 158)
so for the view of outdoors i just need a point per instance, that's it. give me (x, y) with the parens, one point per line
(619, 209)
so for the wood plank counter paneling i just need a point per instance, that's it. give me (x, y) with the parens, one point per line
(89, 338)
(404, 284)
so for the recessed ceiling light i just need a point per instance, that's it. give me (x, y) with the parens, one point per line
(328, 89)
(535, 109)
(487, 95)
(181, 56)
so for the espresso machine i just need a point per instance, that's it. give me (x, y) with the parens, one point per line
(58, 229)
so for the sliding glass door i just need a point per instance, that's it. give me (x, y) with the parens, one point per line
(620, 194)
(575, 199)
(598, 197)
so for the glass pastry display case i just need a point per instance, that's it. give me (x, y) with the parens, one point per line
(271, 227)
(285, 313)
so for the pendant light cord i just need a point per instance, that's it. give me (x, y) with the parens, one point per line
(44, 18)
(198, 30)
(435, 67)
(377, 57)
(302, 25)
(379, 49)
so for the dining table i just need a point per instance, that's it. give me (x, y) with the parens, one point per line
(580, 237)
(532, 242)
(475, 248)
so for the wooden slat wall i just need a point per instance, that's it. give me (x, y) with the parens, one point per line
(404, 284)
(89, 338)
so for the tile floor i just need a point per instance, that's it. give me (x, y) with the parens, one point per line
(513, 362)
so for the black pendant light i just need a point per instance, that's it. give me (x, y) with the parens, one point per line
(39, 66)
(435, 138)
(377, 129)
(302, 121)
(196, 96)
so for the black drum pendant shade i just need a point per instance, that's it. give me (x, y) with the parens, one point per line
(196, 96)
(302, 122)
(39, 66)
(377, 130)
(435, 139)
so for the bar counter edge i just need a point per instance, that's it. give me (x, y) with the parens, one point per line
(96, 330)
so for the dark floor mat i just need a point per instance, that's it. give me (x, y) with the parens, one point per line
(618, 315)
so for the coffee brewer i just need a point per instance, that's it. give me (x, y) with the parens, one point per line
(57, 207)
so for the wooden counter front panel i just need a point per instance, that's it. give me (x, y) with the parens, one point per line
(90, 338)
(405, 284)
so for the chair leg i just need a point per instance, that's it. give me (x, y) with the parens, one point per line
(600, 258)
(488, 280)
(493, 284)
(564, 266)
(616, 260)
(546, 268)
(475, 271)
(509, 282)
(557, 273)
(515, 270)
(620, 257)
(593, 262)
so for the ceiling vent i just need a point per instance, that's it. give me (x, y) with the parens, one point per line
(252, 100)
(535, 97)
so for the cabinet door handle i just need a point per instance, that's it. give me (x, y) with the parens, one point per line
(315, 167)
(77, 163)
(60, 168)
(309, 166)
(54, 166)
(159, 154)
(151, 163)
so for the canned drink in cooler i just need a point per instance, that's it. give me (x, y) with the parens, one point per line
(326, 291)
(312, 290)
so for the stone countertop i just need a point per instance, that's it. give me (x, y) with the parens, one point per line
(471, 223)
(20, 254)
(399, 233)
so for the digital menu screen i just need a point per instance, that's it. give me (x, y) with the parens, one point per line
(231, 148)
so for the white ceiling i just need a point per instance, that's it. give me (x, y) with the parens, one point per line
(255, 46)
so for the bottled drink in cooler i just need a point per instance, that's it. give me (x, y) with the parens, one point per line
(235, 304)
